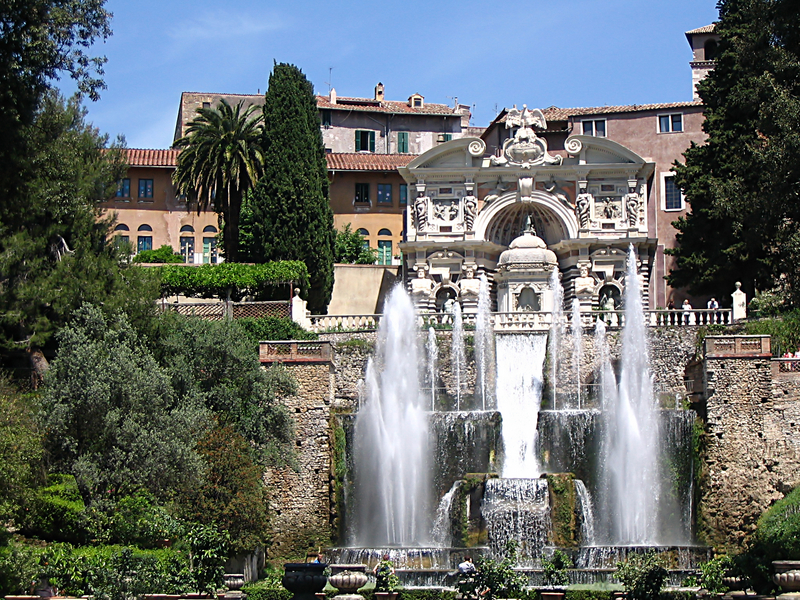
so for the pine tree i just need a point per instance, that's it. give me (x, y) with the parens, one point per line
(291, 215)
(743, 183)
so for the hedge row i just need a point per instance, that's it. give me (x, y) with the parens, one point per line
(236, 278)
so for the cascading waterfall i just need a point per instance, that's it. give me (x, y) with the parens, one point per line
(432, 350)
(631, 480)
(457, 353)
(483, 339)
(586, 510)
(517, 509)
(556, 330)
(392, 476)
(520, 364)
(442, 533)
(577, 348)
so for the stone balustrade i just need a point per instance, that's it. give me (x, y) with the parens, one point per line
(295, 352)
(531, 321)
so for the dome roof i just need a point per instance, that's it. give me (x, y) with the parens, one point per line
(527, 250)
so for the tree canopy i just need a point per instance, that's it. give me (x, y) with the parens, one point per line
(221, 160)
(41, 41)
(350, 247)
(56, 254)
(291, 215)
(743, 182)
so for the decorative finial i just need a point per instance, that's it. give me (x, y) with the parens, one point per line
(529, 226)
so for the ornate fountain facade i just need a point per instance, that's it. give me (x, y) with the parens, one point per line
(587, 203)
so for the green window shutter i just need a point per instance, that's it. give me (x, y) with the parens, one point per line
(372, 141)
(402, 142)
(358, 140)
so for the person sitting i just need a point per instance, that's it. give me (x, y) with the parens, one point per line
(467, 566)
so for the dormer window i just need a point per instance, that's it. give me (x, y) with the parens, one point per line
(416, 101)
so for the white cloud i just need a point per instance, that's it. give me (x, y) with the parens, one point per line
(227, 25)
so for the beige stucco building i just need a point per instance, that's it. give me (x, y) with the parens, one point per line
(373, 146)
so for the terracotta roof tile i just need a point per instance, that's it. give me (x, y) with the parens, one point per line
(554, 113)
(358, 161)
(386, 106)
(143, 157)
(560, 114)
(704, 29)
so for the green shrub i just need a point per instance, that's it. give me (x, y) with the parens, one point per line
(235, 278)
(555, 571)
(784, 330)
(57, 512)
(165, 254)
(107, 572)
(273, 328)
(385, 579)
(19, 568)
(642, 576)
(256, 591)
(777, 537)
(712, 572)
(498, 579)
(573, 594)
(430, 594)
(136, 520)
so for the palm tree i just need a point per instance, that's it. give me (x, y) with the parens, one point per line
(221, 158)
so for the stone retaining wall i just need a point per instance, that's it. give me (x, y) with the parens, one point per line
(299, 503)
(752, 446)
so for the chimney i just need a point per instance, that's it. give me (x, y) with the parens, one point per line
(379, 92)
(332, 97)
(464, 111)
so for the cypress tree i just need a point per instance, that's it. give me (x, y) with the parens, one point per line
(743, 182)
(291, 215)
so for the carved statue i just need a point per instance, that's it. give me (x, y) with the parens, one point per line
(632, 206)
(498, 191)
(421, 212)
(582, 208)
(470, 210)
(552, 187)
(609, 210)
(525, 149)
(584, 284)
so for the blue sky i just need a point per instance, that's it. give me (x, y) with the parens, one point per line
(488, 54)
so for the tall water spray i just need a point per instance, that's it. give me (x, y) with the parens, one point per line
(392, 475)
(483, 341)
(632, 432)
(556, 331)
(432, 350)
(577, 348)
(458, 355)
(520, 370)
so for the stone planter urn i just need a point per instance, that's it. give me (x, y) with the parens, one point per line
(304, 580)
(787, 575)
(348, 579)
(233, 581)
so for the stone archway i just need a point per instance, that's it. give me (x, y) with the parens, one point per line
(504, 219)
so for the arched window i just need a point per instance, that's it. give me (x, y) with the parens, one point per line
(188, 228)
(209, 229)
(384, 232)
(145, 228)
(363, 232)
(122, 227)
